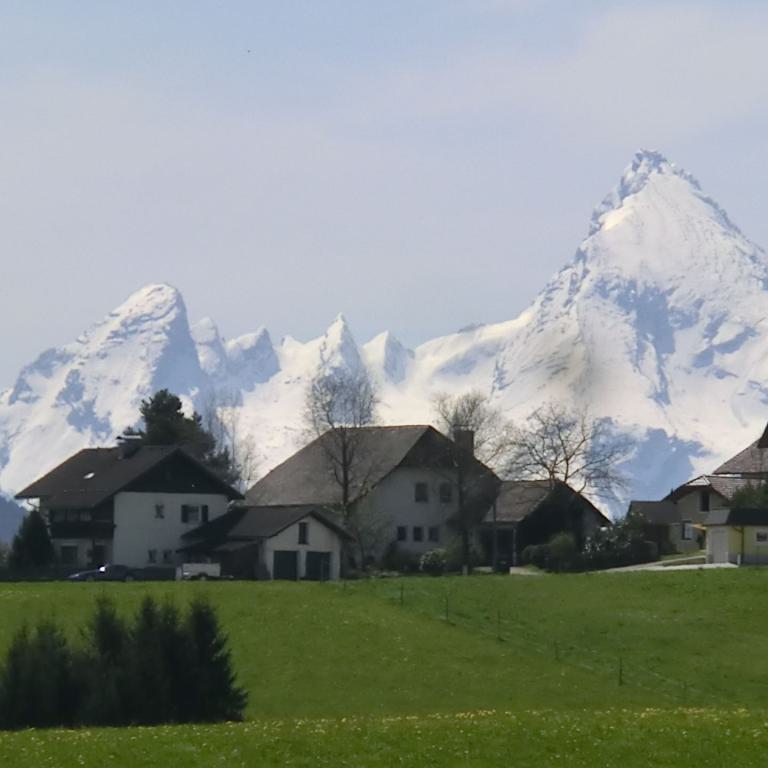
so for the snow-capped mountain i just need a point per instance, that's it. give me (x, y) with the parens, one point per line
(658, 323)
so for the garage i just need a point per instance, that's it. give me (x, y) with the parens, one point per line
(286, 564)
(318, 566)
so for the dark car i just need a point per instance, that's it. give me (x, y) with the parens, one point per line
(105, 573)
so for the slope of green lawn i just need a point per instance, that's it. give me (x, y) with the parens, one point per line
(456, 671)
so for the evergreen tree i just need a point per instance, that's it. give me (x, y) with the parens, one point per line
(218, 697)
(166, 424)
(32, 547)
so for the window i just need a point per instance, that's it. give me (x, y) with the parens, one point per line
(420, 492)
(190, 514)
(686, 533)
(152, 556)
(167, 556)
(418, 533)
(433, 533)
(704, 501)
(303, 533)
(159, 511)
(68, 554)
(402, 533)
(761, 537)
(204, 508)
(446, 493)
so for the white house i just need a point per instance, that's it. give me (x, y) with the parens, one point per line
(297, 542)
(404, 485)
(130, 504)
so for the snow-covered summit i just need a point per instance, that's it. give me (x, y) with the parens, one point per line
(657, 324)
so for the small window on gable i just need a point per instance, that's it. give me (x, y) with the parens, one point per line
(418, 533)
(761, 537)
(446, 493)
(420, 492)
(190, 514)
(159, 511)
(704, 501)
(303, 533)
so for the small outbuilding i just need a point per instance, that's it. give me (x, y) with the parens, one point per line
(274, 542)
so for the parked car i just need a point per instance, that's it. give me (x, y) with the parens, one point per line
(105, 573)
(198, 571)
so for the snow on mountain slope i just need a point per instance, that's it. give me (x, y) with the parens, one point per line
(658, 324)
(87, 392)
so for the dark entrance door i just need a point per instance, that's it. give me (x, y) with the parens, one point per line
(286, 564)
(318, 566)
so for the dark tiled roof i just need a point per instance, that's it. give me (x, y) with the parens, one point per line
(656, 512)
(738, 517)
(517, 499)
(724, 485)
(92, 475)
(246, 524)
(307, 477)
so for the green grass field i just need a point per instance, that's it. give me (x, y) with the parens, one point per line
(606, 669)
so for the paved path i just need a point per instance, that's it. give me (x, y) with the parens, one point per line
(668, 568)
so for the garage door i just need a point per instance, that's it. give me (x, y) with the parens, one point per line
(318, 566)
(286, 564)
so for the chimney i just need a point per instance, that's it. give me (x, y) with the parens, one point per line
(465, 440)
(128, 445)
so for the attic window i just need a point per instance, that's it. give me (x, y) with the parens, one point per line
(89, 476)
(421, 492)
(704, 501)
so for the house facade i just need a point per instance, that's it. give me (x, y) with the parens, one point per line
(404, 490)
(130, 504)
(270, 543)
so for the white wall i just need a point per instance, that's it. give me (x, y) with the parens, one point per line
(137, 529)
(320, 538)
(391, 503)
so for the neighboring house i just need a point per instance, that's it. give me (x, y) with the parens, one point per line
(270, 543)
(702, 510)
(129, 504)
(664, 525)
(405, 483)
(531, 512)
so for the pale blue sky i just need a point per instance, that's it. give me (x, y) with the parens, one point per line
(417, 165)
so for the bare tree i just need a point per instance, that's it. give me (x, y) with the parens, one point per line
(486, 436)
(337, 404)
(472, 411)
(222, 419)
(570, 446)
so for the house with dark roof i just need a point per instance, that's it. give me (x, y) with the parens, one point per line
(281, 542)
(530, 512)
(403, 487)
(130, 504)
(699, 512)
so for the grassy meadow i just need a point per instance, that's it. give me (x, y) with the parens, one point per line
(606, 669)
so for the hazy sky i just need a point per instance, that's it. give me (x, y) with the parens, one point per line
(417, 165)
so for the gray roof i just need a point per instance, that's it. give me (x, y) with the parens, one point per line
(656, 512)
(724, 485)
(307, 477)
(250, 523)
(92, 475)
(738, 517)
(517, 499)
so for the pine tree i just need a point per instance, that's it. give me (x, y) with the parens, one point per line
(32, 547)
(218, 697)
